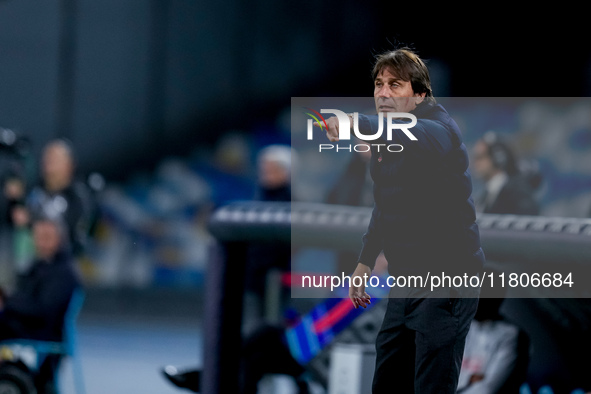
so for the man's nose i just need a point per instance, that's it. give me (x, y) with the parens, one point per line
(384, 91)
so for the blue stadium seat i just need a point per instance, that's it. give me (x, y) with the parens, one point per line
(68, 346)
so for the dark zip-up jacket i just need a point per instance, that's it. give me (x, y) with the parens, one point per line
(422, 194)
(37, 308)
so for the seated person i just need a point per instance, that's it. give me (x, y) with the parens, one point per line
(37, 307)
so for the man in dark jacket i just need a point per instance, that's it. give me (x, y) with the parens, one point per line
(36, 309)
(424, 221)
(506, 190)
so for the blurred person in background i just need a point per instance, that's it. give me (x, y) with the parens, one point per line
(14, 192)
(274, 167)
(507, 190)
(14, 155)
(227, 168)
(274, 170)
(264, 349)
(37, 307)
(59, 195)
(13, 180)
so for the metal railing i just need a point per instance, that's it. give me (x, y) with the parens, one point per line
(530, 240)
(504, 237)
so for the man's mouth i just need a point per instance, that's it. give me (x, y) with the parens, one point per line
(383, 108)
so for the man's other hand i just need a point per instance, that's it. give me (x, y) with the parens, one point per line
(357, 294)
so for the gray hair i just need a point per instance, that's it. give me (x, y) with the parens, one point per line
(283, 155)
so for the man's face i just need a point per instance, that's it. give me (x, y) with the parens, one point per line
(57, 165)
(47, 240)
(392, 94)
(482, 162)
(272, 175)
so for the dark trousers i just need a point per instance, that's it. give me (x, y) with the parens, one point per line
(421, 343)
(8, 328)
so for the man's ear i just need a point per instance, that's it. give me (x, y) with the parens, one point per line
(419, 98)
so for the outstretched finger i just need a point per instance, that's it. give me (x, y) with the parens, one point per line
(332, 138)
